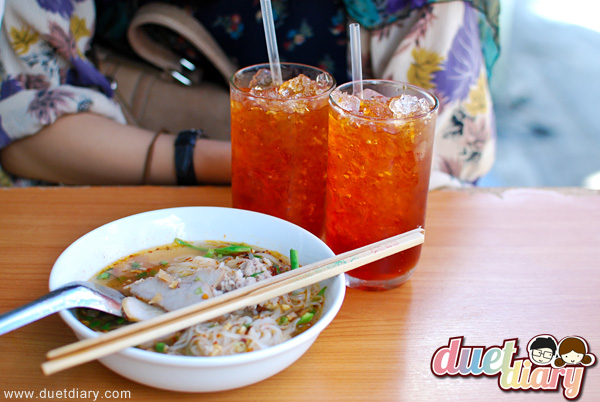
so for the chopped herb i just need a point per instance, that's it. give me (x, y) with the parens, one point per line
(105, 327)
(236, 249)
(135, 265)
(277, 270)
(306, 318)
(233, 249)
(185, 243)
(197, 279)
(163, 263)
(247, 325)
(94, 323)
(257, 256)
(283, 320)
(322, 291)
(254, 275)
(210, 253)
(152, 272)
(141, 275)
(294, 259)
(104, 275)
(120, 320)
(160, 347)
(198, 291)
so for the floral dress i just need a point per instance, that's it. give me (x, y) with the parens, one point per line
(446, 47)
(44, 71)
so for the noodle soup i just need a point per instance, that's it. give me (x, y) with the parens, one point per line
(181, 273)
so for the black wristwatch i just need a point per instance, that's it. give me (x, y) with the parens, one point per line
(184, 156)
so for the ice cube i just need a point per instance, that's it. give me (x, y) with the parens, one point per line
(285, 92)
(346, 101)
(404, 105)
(324, 80)
(424, 105)
(298, 87)
(262, 79)
(371, 94)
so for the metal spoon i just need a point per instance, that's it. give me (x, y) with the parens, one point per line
(73, 294)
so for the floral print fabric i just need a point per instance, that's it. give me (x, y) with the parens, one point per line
(438, 47)
(379, 14)
(446, 47)
(43, 68)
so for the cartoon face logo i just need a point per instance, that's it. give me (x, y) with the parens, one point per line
(574, 350)
(572, 357)
(542, 349)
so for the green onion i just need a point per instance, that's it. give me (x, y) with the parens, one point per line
(141, 275)
(307, 317)
(198, 291)
(163, 263)
(185, 243)
(94, 323)
(294, 258)
(321, 293)
(106, 326)
(257, 256)
(247, 325)
(283, 320)
(135, 265)
(160, 347)
(256, 274)
(236, 249)
(233, 249)
(104, 275)
(277, 270)
(210, 253)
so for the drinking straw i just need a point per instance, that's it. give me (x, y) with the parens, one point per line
(355, 56)
(267, 14)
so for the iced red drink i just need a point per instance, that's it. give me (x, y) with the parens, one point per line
(380, 150)
(279, 143)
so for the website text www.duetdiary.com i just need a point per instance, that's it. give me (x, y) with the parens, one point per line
(72, 393)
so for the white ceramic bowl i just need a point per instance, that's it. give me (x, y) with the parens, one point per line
(97, 249)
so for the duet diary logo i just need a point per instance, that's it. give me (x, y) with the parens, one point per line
(549, 364)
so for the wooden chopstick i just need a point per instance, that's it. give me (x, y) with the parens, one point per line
(94, 348)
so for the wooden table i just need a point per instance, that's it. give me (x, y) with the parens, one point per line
(495, 265)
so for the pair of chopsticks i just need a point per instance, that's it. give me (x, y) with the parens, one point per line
(94, 348)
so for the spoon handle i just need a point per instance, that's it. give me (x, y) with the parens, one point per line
(68, 296)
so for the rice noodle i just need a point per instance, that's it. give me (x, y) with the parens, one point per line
(252, 328)
(241, 331)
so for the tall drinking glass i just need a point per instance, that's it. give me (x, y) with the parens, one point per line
(279, 142)
(380, 152)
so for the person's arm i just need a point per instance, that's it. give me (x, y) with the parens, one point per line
(90, 149)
